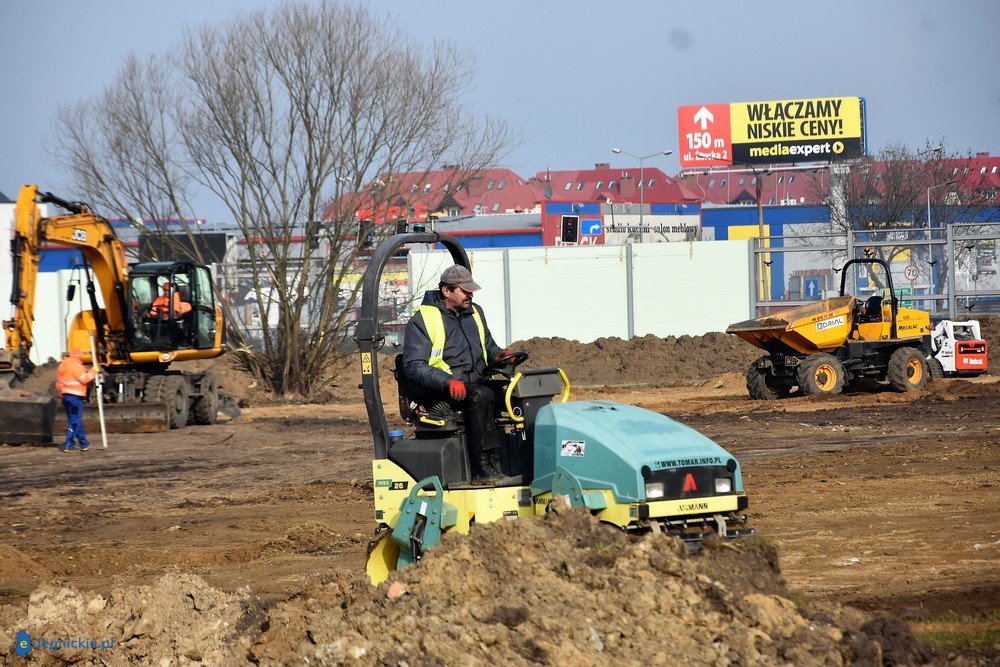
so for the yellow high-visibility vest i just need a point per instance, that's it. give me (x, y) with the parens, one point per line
(434, 322)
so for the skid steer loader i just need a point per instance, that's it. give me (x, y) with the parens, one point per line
(959, 350)
(634, 469)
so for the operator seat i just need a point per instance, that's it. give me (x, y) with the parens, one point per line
(423, 417)
(873, 308)
(185, 320)
(438, 446)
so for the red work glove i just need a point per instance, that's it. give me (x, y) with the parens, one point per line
(500, 355)
(457, 389)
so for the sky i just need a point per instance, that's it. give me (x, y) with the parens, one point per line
(574, 77)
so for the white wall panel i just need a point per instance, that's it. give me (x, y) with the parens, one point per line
(689, 288)
(52, 313)
(577, 293)
(581, 293)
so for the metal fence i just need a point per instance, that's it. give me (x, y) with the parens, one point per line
(949, 271)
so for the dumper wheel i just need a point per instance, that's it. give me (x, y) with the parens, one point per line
(172, 390)
(206, 406)
(763, 386)
(820, 374)
(907, 370)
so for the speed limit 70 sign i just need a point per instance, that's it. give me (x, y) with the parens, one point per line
(911, 272)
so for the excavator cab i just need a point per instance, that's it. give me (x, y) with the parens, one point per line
(172, 306)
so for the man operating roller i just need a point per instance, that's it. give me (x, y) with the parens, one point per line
(446, 349)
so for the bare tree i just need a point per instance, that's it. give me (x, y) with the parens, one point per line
(903, 194)
(278, 114)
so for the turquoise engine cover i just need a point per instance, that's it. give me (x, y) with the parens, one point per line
(608, 445)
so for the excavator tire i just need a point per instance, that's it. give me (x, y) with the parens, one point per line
(907, 370)
(820, 374)
(206, 406)
(763, 386)
(172, 390)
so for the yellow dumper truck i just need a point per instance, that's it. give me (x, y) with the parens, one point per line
(823, 347)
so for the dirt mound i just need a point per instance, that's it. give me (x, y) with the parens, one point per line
(18, 565)
(989, 326)
(648, 360)
(659, 362)
(563, 589)
(670, 361)
(178, 620)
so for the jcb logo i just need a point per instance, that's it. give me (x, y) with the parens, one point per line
(80, 235)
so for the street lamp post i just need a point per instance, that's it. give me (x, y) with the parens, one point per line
(929, 248)
(935, 187)
(756, 178)
(764, 289)
(642, 182)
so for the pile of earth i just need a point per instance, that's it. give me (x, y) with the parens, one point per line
(666, 362)
(649, 360)
(563, 589)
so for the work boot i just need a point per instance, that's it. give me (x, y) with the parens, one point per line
(489, 467)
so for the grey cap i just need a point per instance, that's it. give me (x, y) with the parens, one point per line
(461, 276)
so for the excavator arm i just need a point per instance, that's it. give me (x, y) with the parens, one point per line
(81, 229)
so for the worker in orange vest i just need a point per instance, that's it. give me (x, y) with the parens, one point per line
(71, 382)
(161, 304)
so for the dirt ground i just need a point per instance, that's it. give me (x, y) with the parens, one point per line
(245, 541)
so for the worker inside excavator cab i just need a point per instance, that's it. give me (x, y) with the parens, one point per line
(161, 306)
(167, 316)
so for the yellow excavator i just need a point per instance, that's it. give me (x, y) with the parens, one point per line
(132, 341)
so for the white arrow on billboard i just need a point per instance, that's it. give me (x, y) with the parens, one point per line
(704, 116)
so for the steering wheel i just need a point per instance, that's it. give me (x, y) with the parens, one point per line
(506, 363)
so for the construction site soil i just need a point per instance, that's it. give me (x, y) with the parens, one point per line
(245, 541)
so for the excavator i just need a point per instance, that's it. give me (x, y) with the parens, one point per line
(134, 347)
(636, 470)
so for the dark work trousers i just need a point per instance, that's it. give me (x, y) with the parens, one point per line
(74, 415)
(480, 406)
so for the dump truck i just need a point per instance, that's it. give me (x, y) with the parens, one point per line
(137, 390)
(836, 343)
(634, 469)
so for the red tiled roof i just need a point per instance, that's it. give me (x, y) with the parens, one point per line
(617, 184)
(502, 190)
(453, 192)
(737, 186)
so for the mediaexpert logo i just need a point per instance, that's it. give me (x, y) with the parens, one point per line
(23, 644)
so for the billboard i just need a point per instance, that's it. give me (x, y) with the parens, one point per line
(779, 132)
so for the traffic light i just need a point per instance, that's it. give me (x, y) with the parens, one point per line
(570, 229)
